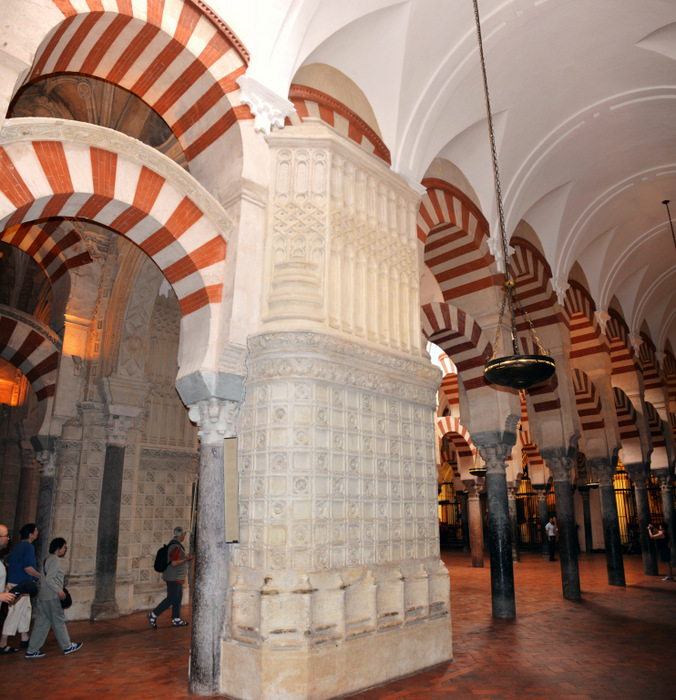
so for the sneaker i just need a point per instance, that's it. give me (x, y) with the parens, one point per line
(73, 647)
(668, 578)
(34, 654)
(152, 620)
(179, 623)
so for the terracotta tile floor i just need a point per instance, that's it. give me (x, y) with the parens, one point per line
(615, 643)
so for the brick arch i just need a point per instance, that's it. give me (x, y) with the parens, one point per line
(532, 275)
(622, 356)
(154, 204)
(579, 314)
(455, 234)
(176, 55)
(655, 429)
(53, 243)
(588, 402)
(461, 440)
(312, 103)
(626, 417)
(670, 371)
(31, 347)
(461, 338)
(652, 379)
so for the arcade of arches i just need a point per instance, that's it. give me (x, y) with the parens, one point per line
(228, 282)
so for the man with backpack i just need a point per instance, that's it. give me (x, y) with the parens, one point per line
(174, 576)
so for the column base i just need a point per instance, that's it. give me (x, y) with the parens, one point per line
(106, 610)
(253, 673)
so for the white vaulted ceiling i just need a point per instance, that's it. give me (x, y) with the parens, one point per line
(584, 100)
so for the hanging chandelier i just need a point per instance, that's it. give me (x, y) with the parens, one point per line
(515, 371)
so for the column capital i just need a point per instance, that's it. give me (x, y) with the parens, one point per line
(604, 468)
(495, 457)
(560, 460)
(47, 459)
(664, 477)
(473, 488)
(638, 471)
(215, 419)
(120, 420)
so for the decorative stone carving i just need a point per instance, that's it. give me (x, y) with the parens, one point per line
(268, 108)
(215, 418)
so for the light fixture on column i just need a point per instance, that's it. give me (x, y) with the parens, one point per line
(477, 469)
(516, 371)
(592, 482)
(671, 223)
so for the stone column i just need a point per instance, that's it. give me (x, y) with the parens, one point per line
(666, 481)
(463, 498)
(215, 418)
(611, 525)
(24, 513)
(560, 463)
(499, 528)
(511, 499)
(638, 471)
(475, 523)
(43, 516)
(120, 421)
(544, 519)
(586, 516)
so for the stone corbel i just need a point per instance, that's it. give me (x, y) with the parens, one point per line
(560, 286)
(602, 318)
(269, 108)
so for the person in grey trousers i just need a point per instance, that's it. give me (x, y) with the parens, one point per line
(49, 612)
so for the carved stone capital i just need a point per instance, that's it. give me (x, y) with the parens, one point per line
(638, 471)
(664, 478)
(215, 419)
(121, 419)
(603, 468)
(602, 317)
(559, 460)
(47, 459)
(495, 457)
(269, 108)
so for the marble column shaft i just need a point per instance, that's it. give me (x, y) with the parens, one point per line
(638, 473)
(476, 525)
(611, 525)
(667, 485)
(464, 521)
(211, 556)
(586, 516)
(544, 519)
(511, 493)
(560, 463)
(499, 530)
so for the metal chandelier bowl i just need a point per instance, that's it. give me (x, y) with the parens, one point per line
(519, 371)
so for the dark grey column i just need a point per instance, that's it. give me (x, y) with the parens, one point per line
(43, 516)
(638, 471)
(211, 556)
(464, 520)
(667, 485)
(611, 525)
(511, 501)
(560, 461)
(586, 516)
(107, 536)
(499, 528)
(544, 519)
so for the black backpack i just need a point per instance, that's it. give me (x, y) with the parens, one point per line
(162, 558)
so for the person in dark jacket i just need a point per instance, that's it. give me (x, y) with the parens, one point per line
(174, 576)
(50, 613)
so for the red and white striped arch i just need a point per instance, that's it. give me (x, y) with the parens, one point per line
(462, 442)
(532, 275)
(588, 402)
(32, 349)
(175, 55)
(54, 244)
(585, 334)
(45, 179)
(449, 385)
(461, 338)
(659, 456)
(455, 234)
(532, 453)
(626, 418)
(311, 103)
(670, 372)
(622, 356)
(652, 380)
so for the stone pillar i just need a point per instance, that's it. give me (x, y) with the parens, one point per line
(120, 421)
(586, 516)
(24, 513)
(611, 525)
(544, 519)
(463, 498)
(666, 481)
(43, 516)
(511, 499)
(499, 528)
(475, 523)
(560, 463)
(638, 471)
(215, 418)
